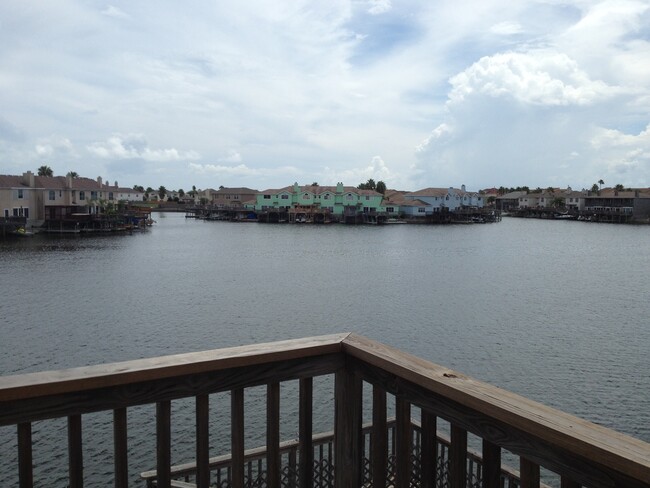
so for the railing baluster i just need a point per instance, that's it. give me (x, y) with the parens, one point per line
(305, 426)
(429, 452)
(379, 438)
(120, 448)
(163, 443)
(237, 437)
(347, 430)
(458, 458)
(75, 452)
(529, 473)
(25, 459)
(273, 435)
(491, 465)
(402, 443)
(202, 441)
(568, 483)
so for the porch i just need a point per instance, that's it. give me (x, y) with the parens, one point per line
(368, 379)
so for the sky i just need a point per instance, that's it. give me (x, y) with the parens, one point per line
(262, 94)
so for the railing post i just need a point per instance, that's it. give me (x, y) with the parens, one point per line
(163, 444)
(25, 460)
(237, 437)
(429, 452)
(75, 452)
(403, 443)
(347, 430)
(529, 473)
(273, 435)
(379, 438)
(120, 448)
(305, 421)
(458, 457)
(491, 465)
(202, 441)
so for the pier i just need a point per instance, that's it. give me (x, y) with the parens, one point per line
(403, 452)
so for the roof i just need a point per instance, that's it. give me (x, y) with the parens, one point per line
(234, 190)
(513, 195)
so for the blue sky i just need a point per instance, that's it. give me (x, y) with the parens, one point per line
(262, 94)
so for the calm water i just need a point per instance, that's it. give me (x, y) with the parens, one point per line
(556, 311)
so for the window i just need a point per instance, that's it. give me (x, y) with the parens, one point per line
(20, 193)
(82, 195)
(447, 197)
(52, 195)
(420, 209)
(93, 195)
(305, 196)
(390, 209)
(227, 197)
(21, 212)
(6, 213)
(267, 197)
(327, 196)
(349, 196)
(367, 197)
(110, 195)
(284, 197)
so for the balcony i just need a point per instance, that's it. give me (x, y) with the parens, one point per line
(401, 452)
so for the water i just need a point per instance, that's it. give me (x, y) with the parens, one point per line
(555, 311)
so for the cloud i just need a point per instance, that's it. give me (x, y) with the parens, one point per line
(377, 7)
(537, 78)
(116, 13)
(506, 28)
(232, 157)
(135, 146)
(377, 169)
(55, 146)
(241, 170)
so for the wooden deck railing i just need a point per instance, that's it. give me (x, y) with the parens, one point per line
(581, 453)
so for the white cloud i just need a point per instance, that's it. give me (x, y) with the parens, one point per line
(506, 28)
(376, 7)
(232, 157)
(536, 77)
(240, 170)
(135, 146)
(54, 146)
(112, 11)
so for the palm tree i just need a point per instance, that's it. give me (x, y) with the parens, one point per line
(601, 183)
(45, 171)
(73, 174)
(162, 191)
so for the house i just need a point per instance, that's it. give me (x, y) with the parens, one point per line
(338, 201)
(229, 197)
(509, 201)
(449, 198)
(634, 202)
(39, 198)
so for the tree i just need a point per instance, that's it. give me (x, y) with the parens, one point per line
(162, 191)
(315, 183)
(181, 193)
(601, 183)
(594, 188)
(73, 174)
(381, 187)
(619, 187)
(139, 188)
(45, 171)
(368, 185)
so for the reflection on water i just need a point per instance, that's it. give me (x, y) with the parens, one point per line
(556, 311)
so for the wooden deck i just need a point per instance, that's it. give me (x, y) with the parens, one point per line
(582, 453)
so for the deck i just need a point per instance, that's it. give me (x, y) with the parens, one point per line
(403, 452)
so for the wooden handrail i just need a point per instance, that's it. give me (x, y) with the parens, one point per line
(580, 451)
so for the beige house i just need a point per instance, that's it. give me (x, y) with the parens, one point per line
(37, 198)
(230, 197)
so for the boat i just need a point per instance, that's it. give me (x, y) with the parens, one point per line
(22, 232)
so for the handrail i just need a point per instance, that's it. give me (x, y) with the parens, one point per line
(580, 452)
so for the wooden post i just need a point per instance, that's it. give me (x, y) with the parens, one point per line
(305, 421)
(25, 460)
(237, 437)
(491, 465)
(163, 444)
(403, 443)
(379, 438)
(202, 441)
(529, 473)
(347, 430)
(429, 452)
(273, 435)
(120, 448)
(75, 452)
(458, 457)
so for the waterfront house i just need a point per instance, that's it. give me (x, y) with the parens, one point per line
(635, 202)
(338, 202)
(232, 197)
(509, 201)
(447, 198)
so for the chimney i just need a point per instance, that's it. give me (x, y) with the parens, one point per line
(99, 181)
(68, 181)
(28, 178)
(462, 187)
(116, 184)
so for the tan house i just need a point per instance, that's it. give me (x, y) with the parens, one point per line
(229, 197)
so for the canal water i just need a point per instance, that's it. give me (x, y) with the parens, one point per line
(553, 310)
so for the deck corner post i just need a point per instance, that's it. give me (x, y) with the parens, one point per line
(347, 430)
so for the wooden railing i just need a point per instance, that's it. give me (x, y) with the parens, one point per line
(581, 453)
